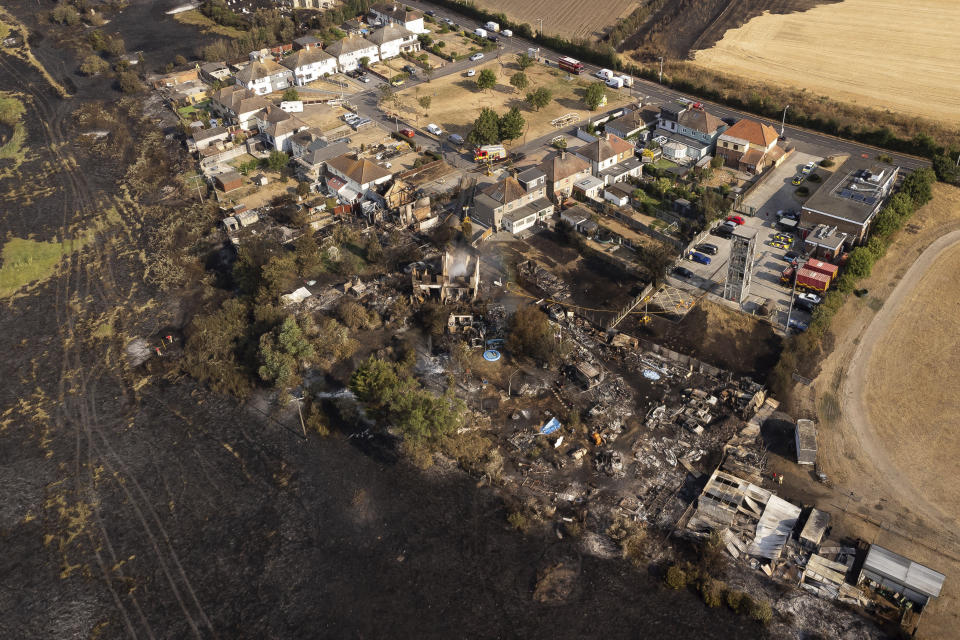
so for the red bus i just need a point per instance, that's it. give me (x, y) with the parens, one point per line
(571, 65)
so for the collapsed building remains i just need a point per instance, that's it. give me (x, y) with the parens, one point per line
(458, 280)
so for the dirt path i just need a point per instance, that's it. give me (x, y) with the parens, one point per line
(852, 393)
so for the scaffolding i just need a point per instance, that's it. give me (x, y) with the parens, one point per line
(743, 245)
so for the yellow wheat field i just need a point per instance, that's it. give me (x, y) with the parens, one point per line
(566, 18)
(890, 54)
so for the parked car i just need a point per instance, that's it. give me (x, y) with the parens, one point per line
(797, 179)
(707, 248)
(409, 68)
(790, 256)
(782, 237)
(735, 219)
(431, 13)
(434, 129)
(812, 298)
(807, 168)
(493, 38)
(476, 56)
(682, 272)
(364, 78)
(456, 139)
(722, 231)
(797, 325)
(448, 21)
(696, 256)
(792, 214)
(407, 133)
(471, 73)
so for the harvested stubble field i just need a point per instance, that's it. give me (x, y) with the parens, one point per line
(875, 53)
(456, 102)
(566, 18)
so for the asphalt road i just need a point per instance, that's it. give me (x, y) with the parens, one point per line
(804, 140)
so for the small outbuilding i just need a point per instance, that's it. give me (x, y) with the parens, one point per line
(260, 180)
(892, 571)
(806, 440)
(228, 181)
(587, 374)
(814, 530)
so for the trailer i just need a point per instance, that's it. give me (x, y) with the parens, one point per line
(507, 33)
(480, 32)
(827, 269)
(492, 26)
(812, 280)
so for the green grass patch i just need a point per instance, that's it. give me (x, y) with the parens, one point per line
(663, 163)
(11, 114)
(200, 109)
(25, 261)
(206, 25)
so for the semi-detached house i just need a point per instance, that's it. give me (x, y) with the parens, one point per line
(393, 39)
(692, 129)
(356, 174)
(514, 204)
(611, 158)
(238, 105)
(351, 50)
(310, 63)
(563, 170)
(277, 127)
(388, 12)
(749, 146)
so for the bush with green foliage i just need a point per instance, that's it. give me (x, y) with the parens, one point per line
(93, 64)
(529, 334)
(539, 98)
(594, 94)
(281, 352)
(486, 128)
(676, 577)
(511, 125)
(712, 592)
(487, 79)
(761, 611)
(519, 81)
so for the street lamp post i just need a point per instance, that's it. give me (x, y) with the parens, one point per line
(661, 69)
(510, 381)
(783, 124)
(540, 20)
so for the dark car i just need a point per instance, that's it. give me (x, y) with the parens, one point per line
(683, 272)
(709, 249)
(493, 38)
(722, 231)
(790, 256)
(431, 13)
(409, 68)
(696, 256)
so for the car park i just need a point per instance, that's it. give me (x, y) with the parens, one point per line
(707, 248)
(735, 219)
(696, 256)
(682, 272)
(407, 133)
(434, 129)
(796, 180)
(471, 73)
(476, 56)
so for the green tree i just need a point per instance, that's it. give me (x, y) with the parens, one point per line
(946, 169)
(386, 94)
(65, 14)
(530, 335)
(374, 250)
(309, 260)
(486, 80)
(428, 72)
(179, 60)
(559, 143)
(303, 189)
(425, 102)
(128, 82)
(93, 64)
(919, 186)
(281, 351)
(365, 62)
(212, 350)
(594, 95)
(524, 61)
(486, 128)
(277, 160)
(290, 95)
(860, 263)
(511, 125)
(520, 80)
(539, 98)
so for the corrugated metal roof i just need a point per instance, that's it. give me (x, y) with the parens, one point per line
(903, 571)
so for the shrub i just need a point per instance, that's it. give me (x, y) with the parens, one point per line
(827, 163)
(814, 177)
(519, 521)
(712, 592)
(760, 611)
(676, 577)
(734, 599)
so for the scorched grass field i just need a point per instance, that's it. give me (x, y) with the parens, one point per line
(567, 18)
(883, 54)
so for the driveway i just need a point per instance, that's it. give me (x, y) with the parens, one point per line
(776, 191)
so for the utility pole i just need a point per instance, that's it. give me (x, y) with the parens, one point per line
(540, 20)
(784, 123)
(661, 69)
(793, 295)
(197, 178)
(300, 413)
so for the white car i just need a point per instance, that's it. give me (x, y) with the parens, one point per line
(476, 56)
(809, 298)
(471, 73)
(434, 129)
